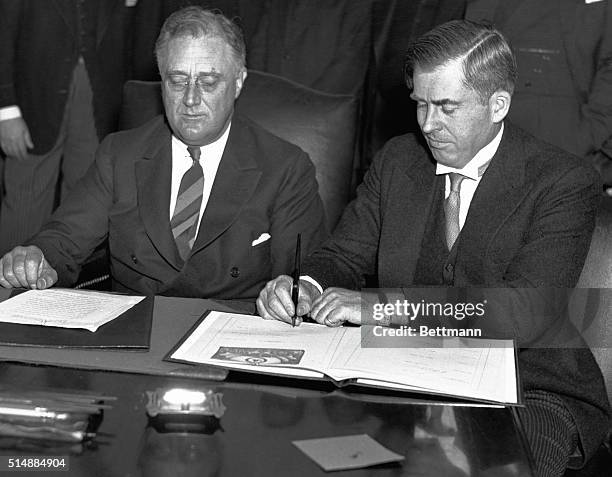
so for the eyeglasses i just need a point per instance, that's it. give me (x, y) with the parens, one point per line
(203, 83)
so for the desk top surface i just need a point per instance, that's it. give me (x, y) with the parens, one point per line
(263, 416)
(253, 437)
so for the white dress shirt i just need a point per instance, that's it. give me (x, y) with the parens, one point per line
(210, 158)
(9, 112)
(470, 171)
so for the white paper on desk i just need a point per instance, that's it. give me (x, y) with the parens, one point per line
(347, 452)
(65, 308)
(486, 371)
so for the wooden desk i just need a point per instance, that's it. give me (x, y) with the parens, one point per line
(263, 416)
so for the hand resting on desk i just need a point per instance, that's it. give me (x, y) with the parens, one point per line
(26, 267)
(332, 308)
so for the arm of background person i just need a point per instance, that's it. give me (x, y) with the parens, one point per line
(9, 28)
(14, 134)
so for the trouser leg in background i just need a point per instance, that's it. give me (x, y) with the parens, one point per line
(30, 185)
(81, 138)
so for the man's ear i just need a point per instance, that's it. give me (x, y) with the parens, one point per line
(499, 105)
(240, 78)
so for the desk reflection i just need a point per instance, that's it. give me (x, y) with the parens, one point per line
(182, 454)
(263, 416)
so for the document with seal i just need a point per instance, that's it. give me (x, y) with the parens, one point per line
(477, 369)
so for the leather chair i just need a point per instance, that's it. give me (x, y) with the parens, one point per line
(590, 311)
(323, 125)
(593, 310)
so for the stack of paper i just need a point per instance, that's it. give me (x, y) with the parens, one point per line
(65, 308)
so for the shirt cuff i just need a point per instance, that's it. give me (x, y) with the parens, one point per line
(312, 281)
(10, 112)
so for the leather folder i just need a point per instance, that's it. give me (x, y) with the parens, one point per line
(130, 330)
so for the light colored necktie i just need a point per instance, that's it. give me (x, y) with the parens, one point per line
(184, 222)
(451, 209)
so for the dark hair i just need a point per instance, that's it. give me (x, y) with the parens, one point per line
(488, 62)
(197, 22)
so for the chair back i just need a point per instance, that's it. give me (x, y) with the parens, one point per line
(595, 308)
(323, 125)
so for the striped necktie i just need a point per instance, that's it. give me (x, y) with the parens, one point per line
(451, 209)
(184, 222)
(452, 204)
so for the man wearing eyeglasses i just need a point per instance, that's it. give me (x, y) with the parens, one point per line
(200, 203)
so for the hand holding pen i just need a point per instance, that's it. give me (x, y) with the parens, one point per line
(286, 298)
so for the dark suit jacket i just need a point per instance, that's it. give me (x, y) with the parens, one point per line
(529, 225)
(263, 185)
(38, 52)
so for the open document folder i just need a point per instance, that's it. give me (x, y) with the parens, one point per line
(475, 369)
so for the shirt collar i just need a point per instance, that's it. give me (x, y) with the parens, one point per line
(483, 156)
(213, 149)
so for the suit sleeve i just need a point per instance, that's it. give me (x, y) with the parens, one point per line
(297, 209)
(529, 300)
(558, 240)
(10, 14)
(80, 224)
(351, 252)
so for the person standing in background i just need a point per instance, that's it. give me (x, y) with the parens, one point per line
(564, 57)
(62, 67)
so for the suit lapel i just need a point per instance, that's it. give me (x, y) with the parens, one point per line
(105, 11)
(567, 18)
(153, 173)
(413, 194)
(67, 13)
(505, 11)
(235, 183)
(568, 21)
(497, 195)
